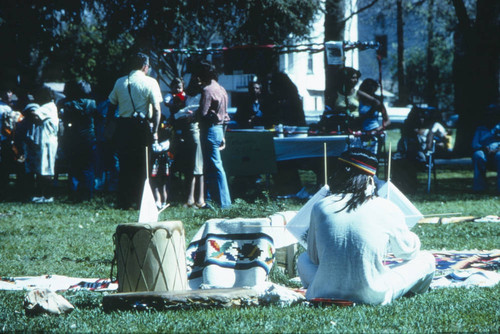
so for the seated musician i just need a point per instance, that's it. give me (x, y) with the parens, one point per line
(350, 234)
(370, 106)
(342, 110)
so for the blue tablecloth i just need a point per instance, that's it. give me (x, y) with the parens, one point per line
(289, 148)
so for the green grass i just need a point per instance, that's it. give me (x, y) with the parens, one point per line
(77, 240)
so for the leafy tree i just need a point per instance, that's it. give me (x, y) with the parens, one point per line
(26, 31)
(195, 24)
(459, 67)
(429, 69)
(90, 39)
(55, 40)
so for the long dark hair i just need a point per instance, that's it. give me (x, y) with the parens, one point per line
(348, 180)
(344, 76)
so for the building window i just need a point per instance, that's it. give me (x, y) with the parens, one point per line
(282, 62)
(290, 62)
(310, 67)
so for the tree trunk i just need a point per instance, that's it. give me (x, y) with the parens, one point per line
(476, 66)
(402, 89)
(430, 86)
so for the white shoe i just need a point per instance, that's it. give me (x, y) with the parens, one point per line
(37, 199)
(48, 200)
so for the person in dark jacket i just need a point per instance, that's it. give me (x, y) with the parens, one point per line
(80, 139)
(254, 110)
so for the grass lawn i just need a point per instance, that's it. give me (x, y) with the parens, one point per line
(76, 240)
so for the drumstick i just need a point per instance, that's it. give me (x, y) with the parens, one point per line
(436, 214)
(389, 169)
(325, 159)
(389, 163)
(265, 226)
(166, 206)
(147, 164)
(406, 216)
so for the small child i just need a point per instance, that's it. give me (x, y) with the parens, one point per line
(160, 172)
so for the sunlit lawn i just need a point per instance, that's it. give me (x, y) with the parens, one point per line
(76, 240)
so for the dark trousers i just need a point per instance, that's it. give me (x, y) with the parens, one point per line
(131, 139)
(82, 170)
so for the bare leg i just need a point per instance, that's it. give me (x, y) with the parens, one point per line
(156, 194)
(156, 191)
(201, 190)
(164, 192)
(192, 184)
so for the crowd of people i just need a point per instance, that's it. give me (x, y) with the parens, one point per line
(29, 143)
(101, 142)
(99, 139)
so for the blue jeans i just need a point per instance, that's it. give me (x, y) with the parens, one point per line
(480, 162)
(215, 176)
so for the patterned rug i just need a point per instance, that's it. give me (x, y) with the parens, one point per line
(463, 268)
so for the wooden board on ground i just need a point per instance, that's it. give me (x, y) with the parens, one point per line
(446, 220)
(169, 300)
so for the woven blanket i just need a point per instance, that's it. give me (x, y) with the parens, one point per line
(463, 268)
(227, 253)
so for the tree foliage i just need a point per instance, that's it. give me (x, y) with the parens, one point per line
(90, 39)
(429, 69)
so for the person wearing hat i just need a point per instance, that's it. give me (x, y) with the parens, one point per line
(351, 233)
(134, 95)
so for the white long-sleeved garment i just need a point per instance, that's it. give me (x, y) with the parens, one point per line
(42, 149)
(345, 253)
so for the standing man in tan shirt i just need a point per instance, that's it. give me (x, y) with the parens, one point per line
(135, 95)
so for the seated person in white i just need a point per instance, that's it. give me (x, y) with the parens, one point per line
(350, 234)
